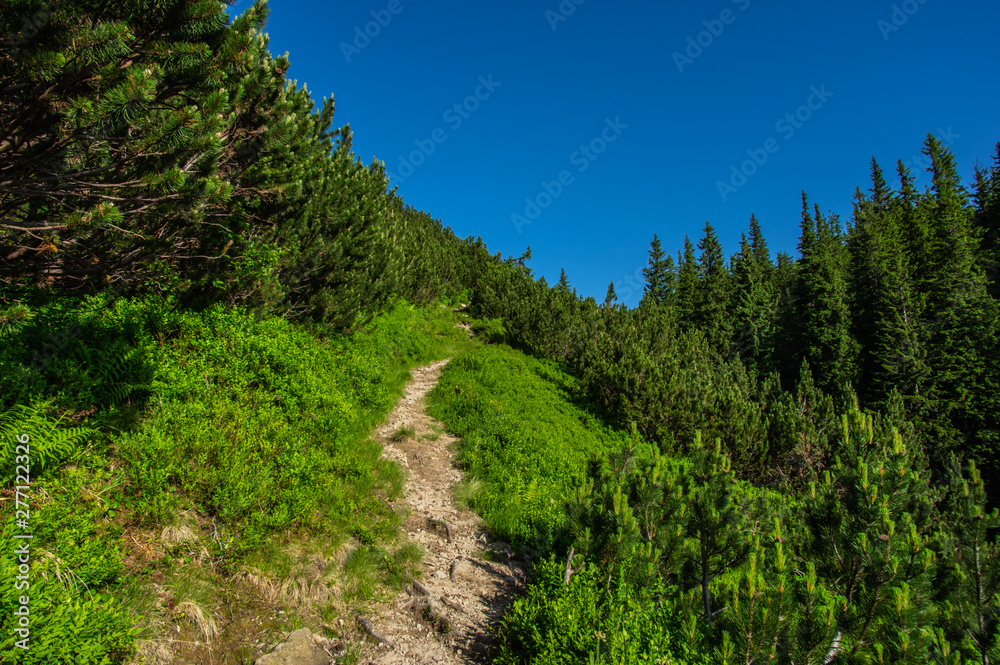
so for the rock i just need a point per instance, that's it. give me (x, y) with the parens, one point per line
(299, 649)
(459, 569)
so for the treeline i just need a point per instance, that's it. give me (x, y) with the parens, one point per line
(858, 380)
(894, 311)
(651, 558)
(155, 146)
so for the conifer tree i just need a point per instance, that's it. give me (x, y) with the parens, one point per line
(686, 297)
(820, 309)
(712, 304)
(716, 537)
(914, 226)
(868, 527)
(761, 602)
(885, 312)
(755, 303)
(114, 128)
(970, 574)
(562, 286)
(987, 221)
(659, 275)
(611, 298)
(759, 245)
(960, 395)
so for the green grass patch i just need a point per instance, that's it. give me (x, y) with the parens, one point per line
(524, 439)
(184, 446)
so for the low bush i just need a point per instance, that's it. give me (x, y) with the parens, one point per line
(139, 411)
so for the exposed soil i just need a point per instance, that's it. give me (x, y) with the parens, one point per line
(446, 616)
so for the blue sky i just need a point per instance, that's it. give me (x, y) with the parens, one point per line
(620, 120)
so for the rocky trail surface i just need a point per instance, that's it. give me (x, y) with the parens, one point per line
(446, 615)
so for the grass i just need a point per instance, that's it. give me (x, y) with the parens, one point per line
(434, 435)
(524, 439)
(467, 491)
(402, 434)
(211, 461)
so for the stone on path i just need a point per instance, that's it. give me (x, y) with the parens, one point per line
(299, 649)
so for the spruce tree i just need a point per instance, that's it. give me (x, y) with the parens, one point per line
(659, 275)
(884, 305)
(686, 296)
(758, 244)
(820, 309)
(960, 395)
(987, 221)
(712, 304)
(755, 303)
(611, 298)
(562, 286)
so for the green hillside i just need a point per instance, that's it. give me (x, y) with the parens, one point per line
(208, 302)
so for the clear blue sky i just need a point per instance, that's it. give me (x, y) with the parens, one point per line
(878, 75)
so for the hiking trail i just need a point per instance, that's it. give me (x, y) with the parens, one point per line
(446, 615)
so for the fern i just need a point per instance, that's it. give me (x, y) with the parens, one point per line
(49, 444)
(114, 370)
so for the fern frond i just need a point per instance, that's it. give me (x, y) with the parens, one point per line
(47, 443)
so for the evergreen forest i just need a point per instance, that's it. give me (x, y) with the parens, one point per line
(207, 301)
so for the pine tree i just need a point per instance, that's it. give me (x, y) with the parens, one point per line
(113, 164)
(716, 536)
(970, 575)
(761, 602)
(868, 528)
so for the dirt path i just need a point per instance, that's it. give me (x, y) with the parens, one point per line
(468, 579)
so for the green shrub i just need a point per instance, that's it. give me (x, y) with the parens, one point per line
(255, 424)
(75, 614)
(579, 622)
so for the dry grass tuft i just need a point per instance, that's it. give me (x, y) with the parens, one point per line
(152, 652)
(204, 624)
(172, 536)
